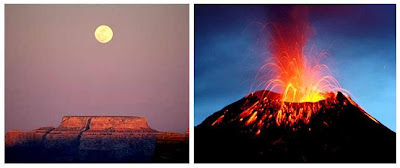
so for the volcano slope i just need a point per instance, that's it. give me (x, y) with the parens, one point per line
(253, 130)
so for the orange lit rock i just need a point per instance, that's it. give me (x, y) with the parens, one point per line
(96, 139)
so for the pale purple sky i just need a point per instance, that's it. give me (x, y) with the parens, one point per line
(55, 67)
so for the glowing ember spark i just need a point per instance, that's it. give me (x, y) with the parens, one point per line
(219, 120)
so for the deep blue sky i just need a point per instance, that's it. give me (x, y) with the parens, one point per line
(360, 38)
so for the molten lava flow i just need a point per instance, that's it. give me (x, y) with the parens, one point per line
(219, 120)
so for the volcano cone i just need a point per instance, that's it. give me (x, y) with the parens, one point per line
(255, 129)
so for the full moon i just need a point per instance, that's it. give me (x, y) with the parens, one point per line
(103, 34)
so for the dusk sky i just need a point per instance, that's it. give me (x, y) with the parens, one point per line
(54, 66)
(361, 40)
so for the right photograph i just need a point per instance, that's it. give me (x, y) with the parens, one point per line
(295, 83)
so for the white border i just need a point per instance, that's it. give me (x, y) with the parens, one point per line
(2, 115)
(191, 82)
(191, 79)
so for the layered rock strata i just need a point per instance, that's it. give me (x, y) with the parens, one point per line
(97, 139)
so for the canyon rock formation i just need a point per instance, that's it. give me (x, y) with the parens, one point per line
(97, 139)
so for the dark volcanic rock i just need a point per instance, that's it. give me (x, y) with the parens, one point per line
(97, 139)
(338, 132)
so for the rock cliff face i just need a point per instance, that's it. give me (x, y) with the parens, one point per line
(97, 139)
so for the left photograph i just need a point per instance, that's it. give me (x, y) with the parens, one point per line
(97, 83)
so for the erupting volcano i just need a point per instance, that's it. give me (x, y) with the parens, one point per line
(313, 119)
(299, 75)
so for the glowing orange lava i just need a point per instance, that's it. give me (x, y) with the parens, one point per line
(294, 71)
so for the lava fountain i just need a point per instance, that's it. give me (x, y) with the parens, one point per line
(298, 74)
(295, 72)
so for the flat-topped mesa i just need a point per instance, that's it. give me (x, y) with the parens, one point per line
(73, 123)
(104, 123)
(119, 123)
(74, 129)
(96, 138)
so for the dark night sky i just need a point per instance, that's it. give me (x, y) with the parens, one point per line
(55, 67)
(360, 38)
